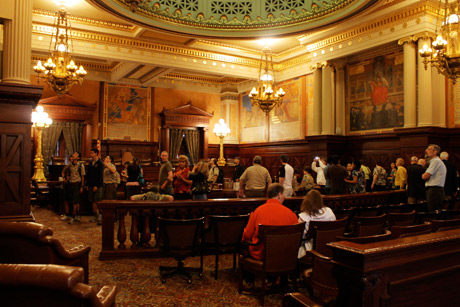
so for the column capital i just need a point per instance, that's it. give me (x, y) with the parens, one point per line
(406, 40)
(319, 65)
(424, 35)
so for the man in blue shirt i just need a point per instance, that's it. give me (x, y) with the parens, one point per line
(435, 177)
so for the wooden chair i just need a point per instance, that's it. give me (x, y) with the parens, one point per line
(368, 225)
(367, 239)
(39, 197)
(50, 285)
(423, 217)
(323, 232)
(279, 256)
(401, 219)
(344, 212)
(32, 243)
(297, 299)
(409, 231)
(322, 285)
(370, 211)
(180, 239)
(223, 236)
(442, 225)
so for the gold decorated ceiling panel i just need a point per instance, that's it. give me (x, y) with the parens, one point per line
(233, 18)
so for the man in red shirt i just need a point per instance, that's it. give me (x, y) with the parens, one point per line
(271, 213)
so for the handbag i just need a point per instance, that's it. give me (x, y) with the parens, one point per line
(201, 188)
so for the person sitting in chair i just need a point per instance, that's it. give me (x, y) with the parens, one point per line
(271, 213)
(152, 194)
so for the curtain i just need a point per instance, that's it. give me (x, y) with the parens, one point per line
(73, 132)
(192, 140)
(50, 137)
(175, 140)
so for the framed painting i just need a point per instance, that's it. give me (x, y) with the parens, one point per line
(126, 112)
(375, 97)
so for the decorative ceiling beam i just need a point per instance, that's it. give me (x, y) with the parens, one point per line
(121, 70)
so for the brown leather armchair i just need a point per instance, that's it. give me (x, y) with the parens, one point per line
(50, 285)
(32, 243)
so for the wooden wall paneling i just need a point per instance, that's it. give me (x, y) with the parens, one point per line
(16, 103)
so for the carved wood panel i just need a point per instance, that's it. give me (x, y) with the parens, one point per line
(14, 183)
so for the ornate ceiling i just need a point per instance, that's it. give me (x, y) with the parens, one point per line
(189, 44)
(234, 18)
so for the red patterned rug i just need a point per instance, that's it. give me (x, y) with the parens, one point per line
(138, 280)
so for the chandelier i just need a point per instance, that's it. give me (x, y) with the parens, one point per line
(221, 130)
(446, 54)
(266, 96)
(60, 71)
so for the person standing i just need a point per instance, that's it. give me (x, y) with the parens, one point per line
(74, 180)
(401, 175)
(356, 184)
(238, 171)
(110, 179)
(181, 182)
(415, 184)
(94, 182)
(318, 166)
(379, 180)
(199, 176)
(213, 172)
(435, 177)
(286, 175)
(337, 175)
(166, 175)
(450, 186)
(367, 176)
(134, 171)
(308, 182)
(255, 180)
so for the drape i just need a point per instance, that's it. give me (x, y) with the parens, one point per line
(175, 140)
(50, 137)
(192, 140)
(73, 132)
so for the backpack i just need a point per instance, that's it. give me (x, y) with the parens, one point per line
(220, 177)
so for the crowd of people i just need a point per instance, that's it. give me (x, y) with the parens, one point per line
(431, 179)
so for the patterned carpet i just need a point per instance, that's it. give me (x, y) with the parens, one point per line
(138, 280)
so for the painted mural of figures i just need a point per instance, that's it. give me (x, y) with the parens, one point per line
(379, 93)
(376, 118)
(356, 118)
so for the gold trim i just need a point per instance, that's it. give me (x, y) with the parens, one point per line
(86, 20)
(423, 9)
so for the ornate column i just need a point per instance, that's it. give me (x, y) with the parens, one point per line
(410, 85)
(230, 113)
(425, 102)
(317, 94)
(327, 102)
(340, 99)
(17, 44)
(438, 82)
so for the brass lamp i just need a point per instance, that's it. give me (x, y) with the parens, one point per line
(266, 96)
(446, 54)
(60, 71)
(40, 120)
(221, 130)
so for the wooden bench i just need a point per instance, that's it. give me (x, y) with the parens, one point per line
(144, 213)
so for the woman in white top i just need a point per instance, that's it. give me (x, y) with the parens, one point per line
(313, 209)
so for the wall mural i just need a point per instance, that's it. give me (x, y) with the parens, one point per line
(375, 97)
(283, 123)
(126, 112)
(286, 120)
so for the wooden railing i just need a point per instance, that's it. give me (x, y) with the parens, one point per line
(143, 214)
